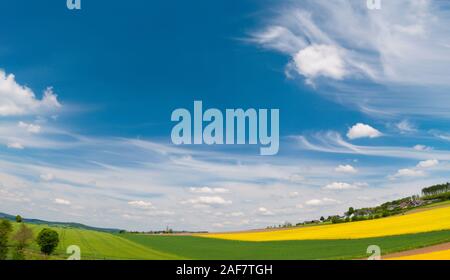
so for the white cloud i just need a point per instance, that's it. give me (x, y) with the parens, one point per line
(208, 190)
(141, 204)
(346, 169)
(18, 100)
(293, 194)
(15, 145)
(332, 142)
(32, 128)
(320, 60)
(321, 202)
(422, 148)
(265, 212)
(47, 177)
(428, 163)
(340, 186)
(361, 130)
(404, 43)
(237, 214)
(409, 173)
(296, 178)
(405, 127)
(393, 44)
(209, 200)
(62, 201)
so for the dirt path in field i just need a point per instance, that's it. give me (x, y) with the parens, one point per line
(430, 249)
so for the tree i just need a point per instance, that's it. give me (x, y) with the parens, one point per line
(22, 238)
(322, 219)
(18, 219)
(336, 220)
(48, 240)
(5, 231)
(350, 211)
(436, 189)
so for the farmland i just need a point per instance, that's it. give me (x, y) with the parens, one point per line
(98, 245)
(422, 221)
(420, 228)
(439, 255)
(192, 247)
(437, 252)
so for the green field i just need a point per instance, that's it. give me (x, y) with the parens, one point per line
(207, 248)
(97, 245)
(100, 246)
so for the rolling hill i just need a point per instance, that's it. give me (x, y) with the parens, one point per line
(58, 224)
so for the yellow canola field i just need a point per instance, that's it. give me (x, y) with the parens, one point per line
(434, 256)
(423, 221)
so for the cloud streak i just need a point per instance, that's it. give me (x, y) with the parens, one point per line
(385, 62)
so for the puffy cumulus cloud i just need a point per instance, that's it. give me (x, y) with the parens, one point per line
(17, 100)
(428, 163)
(141, 204)
(342, 186)
(208, 190)
(320, 60)
(361, 130)
(209, 200)
(62, 201)
(346, 169)
(321, 202)
(417, 171)
(408, 172)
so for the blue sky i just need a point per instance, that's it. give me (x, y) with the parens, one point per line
(86, 98)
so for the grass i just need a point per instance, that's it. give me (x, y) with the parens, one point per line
(96, 245)
(341, 241)
(436, 204)
(434, 219)
(192, 247)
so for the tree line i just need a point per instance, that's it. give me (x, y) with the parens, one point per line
(20, 240)
(436, 189)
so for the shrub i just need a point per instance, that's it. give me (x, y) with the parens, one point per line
(18, 219)
(47, 240)
(22, 238)
(5, 231)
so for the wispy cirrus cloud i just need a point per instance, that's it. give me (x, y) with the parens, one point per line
(333, 142)
(366, 58)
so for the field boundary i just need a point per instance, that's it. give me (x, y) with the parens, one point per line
(419, 251)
